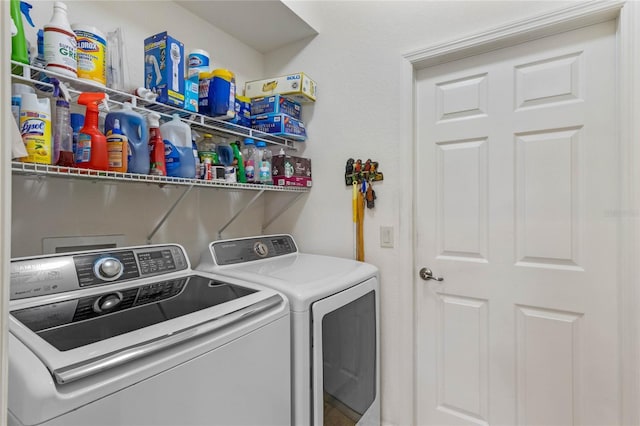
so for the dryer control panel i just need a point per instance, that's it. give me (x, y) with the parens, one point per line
(229, 252)
(38, 276)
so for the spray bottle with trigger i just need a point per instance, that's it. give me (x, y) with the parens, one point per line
(63, 132)
(19, 49)
(91, 149)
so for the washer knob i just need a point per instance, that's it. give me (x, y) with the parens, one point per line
(107, 302)
(108, 268)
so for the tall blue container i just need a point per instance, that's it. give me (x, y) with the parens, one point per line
(134, 126)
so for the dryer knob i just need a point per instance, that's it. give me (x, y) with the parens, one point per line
(108, 268)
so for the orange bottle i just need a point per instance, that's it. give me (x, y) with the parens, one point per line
(91, 150)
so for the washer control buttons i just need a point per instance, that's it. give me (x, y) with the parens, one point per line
(108, 268)
(261, 249)
(107, 302)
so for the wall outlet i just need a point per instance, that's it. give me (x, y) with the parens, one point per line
(386, 236)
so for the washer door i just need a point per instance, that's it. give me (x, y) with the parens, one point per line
(345, 357)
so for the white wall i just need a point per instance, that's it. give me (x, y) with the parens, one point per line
(357, 61)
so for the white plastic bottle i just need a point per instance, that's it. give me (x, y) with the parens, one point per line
(60, 43)
(35, 128)
(178, 148)
(250, 160)
(264, 170)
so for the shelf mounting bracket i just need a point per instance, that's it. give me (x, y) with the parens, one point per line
(282, 210)
(239, 212)
(168, 213)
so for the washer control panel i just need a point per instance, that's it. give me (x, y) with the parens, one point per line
(229, 252)
(31, 277)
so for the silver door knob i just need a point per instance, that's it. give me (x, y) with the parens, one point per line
(426, 274)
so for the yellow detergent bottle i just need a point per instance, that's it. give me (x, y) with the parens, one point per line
(35, 128)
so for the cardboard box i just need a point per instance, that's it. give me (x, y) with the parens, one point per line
(275, 104)
(291, 171)
(243, 112)
(280, 125)
(297, 86)
(164, 68)
(191, 93)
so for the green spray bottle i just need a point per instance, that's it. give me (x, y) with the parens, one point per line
(19, 49)
(241, 176)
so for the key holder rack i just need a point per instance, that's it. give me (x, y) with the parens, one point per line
(357, 171)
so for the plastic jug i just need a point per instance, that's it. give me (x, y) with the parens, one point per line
(60, 43)
(134, 126)
(178, 148)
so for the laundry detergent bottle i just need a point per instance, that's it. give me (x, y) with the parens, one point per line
(178, 148)
(91, 149)
(134, 126)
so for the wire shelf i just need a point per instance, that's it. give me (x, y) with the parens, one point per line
(37, 77)
(45, 170)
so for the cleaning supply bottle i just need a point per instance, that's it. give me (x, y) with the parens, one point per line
(134, 126)
(62, 131)
(178, 148)
(156, 146)
(264, 170)
(240, 172)
(196, 158)
(249, 160)
(224, 94)
(77, 121)
(207, 151)
(19, 50)
(91, 149)
(60, 43)
(35, 128)
(225, 152)
(17, 89)
(118, 148)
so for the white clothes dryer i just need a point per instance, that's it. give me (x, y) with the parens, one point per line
(334, 324)
(134, 336)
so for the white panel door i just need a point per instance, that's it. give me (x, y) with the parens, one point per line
(516, 209)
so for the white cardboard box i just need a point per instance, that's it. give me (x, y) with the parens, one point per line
(297, 86)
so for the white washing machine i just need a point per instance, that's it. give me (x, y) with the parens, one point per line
(334, 324)
(133, 336)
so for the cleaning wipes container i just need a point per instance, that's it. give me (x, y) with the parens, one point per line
(178, 148)
(91, 53)
(134, 126)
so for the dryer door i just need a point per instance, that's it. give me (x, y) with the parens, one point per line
(345, 357)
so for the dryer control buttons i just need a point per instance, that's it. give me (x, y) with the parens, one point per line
(261, 249)
(108, 268)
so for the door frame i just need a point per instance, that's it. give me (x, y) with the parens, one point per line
(628, 106)
(5, 204)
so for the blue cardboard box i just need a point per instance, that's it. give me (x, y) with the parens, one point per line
(164, 68)
(191, 93)
(275, 104)
(243, 112)
(280, 125)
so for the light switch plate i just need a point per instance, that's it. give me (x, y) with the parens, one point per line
(386, 236)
